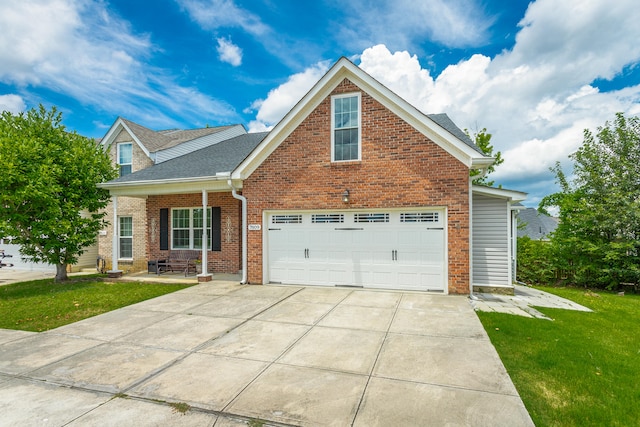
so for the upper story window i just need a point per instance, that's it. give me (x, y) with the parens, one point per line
(345, 127)
(125, 159)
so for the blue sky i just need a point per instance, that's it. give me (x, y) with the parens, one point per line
(534, 74)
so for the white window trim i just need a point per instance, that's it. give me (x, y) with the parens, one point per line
(333, 126)
(191, 228)
(118, 146)
(120, 237)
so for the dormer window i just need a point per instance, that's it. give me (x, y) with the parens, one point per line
(125, 157)
(345, 127)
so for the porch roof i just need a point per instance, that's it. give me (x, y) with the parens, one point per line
(207, 164)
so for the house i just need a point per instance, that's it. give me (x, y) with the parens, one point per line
(134, 148)
(353, 187)
(536, 225)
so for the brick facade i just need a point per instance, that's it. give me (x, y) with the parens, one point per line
(128, 206)
(228, 260)
(399, 167)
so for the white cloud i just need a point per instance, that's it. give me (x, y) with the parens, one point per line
(281, 99)
(536, 98)
(229, 52)
(213, 14)
(79, 49)
(452, 23)
(12, 103)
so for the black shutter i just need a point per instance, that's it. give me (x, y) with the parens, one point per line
(216, 229)
(164, 229)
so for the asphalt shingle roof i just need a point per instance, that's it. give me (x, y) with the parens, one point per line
(224, 156)
(537, 225)
(156, 141)
(445, 122)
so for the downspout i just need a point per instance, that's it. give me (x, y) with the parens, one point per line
(243, 200)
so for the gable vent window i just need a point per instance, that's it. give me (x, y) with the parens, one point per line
(327, 218)
(286, 219)
(345, 123)
(371, 217)
(419, 217)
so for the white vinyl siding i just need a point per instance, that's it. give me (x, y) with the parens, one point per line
(491, 222)
(198, 143)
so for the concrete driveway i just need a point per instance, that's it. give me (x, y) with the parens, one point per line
(286, 355)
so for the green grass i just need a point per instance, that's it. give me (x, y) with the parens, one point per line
(41, 305)
(581, 369)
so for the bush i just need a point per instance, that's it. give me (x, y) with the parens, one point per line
(535, 262)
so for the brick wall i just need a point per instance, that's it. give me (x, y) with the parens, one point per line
(228, 260)
(128, 206)
(135, 208)
(399, 167)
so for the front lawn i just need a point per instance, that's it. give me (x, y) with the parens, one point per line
(581, 369)
(41, 305)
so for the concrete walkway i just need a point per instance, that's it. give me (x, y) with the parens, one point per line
(286, 355)
(523, 302)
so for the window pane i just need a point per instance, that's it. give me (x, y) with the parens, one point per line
(124, 154)
(181, 239)
(126, 247)
(346, 144)
(126, 226)
(125, 170)
(180, 218)
(197, 218)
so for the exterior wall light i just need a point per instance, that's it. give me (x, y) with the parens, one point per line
(345, 196)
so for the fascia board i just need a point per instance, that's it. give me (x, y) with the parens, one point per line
(291, 120)
(163, 187)
(345, 68)
(415, 118)
(514, 196)
(113, 132)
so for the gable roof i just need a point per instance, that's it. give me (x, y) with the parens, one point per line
(211, 163)
(502, 193)
(437, 127)
(151, 141)
(537, 226)
(445, 122)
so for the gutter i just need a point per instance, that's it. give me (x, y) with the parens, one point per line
(244, 230)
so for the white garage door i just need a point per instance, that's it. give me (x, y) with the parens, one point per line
(373, 249)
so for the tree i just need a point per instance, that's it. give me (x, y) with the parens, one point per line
(49, 201)
(599, 230)
(483, 141)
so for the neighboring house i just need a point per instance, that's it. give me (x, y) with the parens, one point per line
(134, 148)
(353, 187)
(536, 225)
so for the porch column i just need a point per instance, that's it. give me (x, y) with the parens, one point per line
(114, 272)
(204, 276)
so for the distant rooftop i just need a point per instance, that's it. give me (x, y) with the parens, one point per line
(537, 226)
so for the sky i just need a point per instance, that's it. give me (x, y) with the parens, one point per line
(534, 74)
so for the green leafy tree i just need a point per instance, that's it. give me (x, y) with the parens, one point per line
(483, 140)
(49, 201)
(598, 237)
